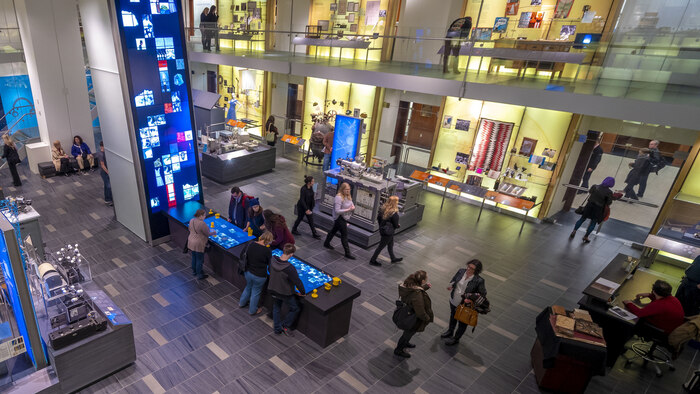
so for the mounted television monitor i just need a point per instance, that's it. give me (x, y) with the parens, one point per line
(584, 39)
(155, 61)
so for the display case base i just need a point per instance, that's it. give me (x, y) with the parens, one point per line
(237, 165)
(364, 238)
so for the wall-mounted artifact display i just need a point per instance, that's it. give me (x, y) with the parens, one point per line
(527, 147)
(512, 7)
(462, 158)
(524, 21)
(563, 8)
(462, 124)
(500, 25)
(447, 122)
(490, 145)
(482, 34)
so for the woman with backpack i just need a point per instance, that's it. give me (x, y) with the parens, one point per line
(388, 219)
(465, 282)
(412, 292)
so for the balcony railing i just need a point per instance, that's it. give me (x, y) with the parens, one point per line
(649, 72)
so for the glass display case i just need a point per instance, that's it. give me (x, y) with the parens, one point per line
(682, 222)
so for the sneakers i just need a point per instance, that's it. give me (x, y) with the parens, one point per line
(375, 263)
(287, 332)
(402, 353)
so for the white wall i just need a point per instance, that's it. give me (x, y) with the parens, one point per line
(117, 130)
(56, 68)
(278, 107)
(198, 74)
(425, 19)
(388, 123)
(292, 15)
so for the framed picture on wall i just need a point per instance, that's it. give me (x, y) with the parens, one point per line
(462, 158)
(524, 21)
(563, 8)
(567, 31)
(382, 13)
(536, 2)
(463, 125)
(353, 28)
(527, 147)
(500, 25)
(334, 7)
(482, 34)
(536, 20)
(447, 122)
(342, 7)
(351, 17)
(512, 7)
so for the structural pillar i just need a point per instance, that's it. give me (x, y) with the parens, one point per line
(53, 50)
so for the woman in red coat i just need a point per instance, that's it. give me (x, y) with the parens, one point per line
(277, 225)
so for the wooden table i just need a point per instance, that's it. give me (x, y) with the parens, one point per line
(510, 201)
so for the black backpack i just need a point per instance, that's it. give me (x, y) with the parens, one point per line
(404, 317)
(243, 260)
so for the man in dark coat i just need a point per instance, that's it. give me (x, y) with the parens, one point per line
(656, 162)
(593, 162)
(638, 168)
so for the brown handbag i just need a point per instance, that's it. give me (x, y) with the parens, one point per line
(467, 315)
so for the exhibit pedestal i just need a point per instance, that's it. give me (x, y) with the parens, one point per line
(364, 238)
(324, 319)
(231, 166)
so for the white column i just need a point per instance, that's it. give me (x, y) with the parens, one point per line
(117, 134)
(51, 39)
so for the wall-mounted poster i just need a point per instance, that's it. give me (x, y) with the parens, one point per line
(490, 145)
(371, 13)
(334, 7)
(567, 31)
(524, 21)
(462, 158)
(527, 147)
(351, 17)
(447, 122)
(500, 25)
(462, 124)
(512, 7)
(563, 8)
(342, 7)
(482, 34)
(536, 20)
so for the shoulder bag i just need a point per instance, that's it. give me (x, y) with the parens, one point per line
(243, 260)
(467, 315)
(579, 210)
(269, 137)
(404, 317)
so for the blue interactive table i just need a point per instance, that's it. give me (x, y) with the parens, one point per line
(227, 235)
(311, 277)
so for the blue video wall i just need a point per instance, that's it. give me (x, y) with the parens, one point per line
(156, 63)
(346, 140)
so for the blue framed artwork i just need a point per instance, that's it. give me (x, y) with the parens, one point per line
(153, 45)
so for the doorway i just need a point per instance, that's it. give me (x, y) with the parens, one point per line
(415, 127)
(211, 81)
(295, 108)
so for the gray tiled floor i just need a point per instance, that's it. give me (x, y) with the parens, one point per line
(177, 319)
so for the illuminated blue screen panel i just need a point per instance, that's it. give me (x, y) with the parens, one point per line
(153, 44)
(346, 140)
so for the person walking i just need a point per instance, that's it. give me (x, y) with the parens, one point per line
(656, 162)
(599, 197)
(197, 242)
(388, 219)
(271, 132)
(256, 221)
(305, 206)
(60, 159)
(213, 19)
(258, 257)
(327, 149)
(203, 25)
(104, 173)
(277, 225)
(639, 167)
(458, 31)
(237, 207)
(465, 281)
(593, 161)
(283, 279)
(413, 293)
(342, 211)
(11, 155)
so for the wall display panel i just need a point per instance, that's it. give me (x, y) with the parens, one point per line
(243, 16)
(346, 138)
(152, 40)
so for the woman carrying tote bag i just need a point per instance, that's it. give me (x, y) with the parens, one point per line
(466, 280)
(271, 132)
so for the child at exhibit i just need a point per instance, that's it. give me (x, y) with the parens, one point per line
(258, 257)
(283, 279)
(81, 152)
(342, 211)
(413, 293)
(388, 219)
(255, 218)
(305, 206)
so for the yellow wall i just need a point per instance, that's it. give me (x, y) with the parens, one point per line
(252, 103)
(352, 95)
(546, 126)
(691, 185)
(226, 16)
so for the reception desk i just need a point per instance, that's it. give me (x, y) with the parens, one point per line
(239, 164)
(324, 319)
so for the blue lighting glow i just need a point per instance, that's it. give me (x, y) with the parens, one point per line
(154, 59)
(346, 139)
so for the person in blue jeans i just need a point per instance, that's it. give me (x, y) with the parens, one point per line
(599, 197)
(283, 279)
(104, 173)
(257, 262)
(197, 242)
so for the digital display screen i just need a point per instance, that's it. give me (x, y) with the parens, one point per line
(346, 139)
(152, 39)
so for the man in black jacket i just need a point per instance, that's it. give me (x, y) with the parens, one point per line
(593, 162)
(638, 168)
(283, 279)
(656, 162)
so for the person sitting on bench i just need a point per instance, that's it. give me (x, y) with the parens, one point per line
(81, 152)
(60, 158)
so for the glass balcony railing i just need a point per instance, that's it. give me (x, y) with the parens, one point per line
(632, 67)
